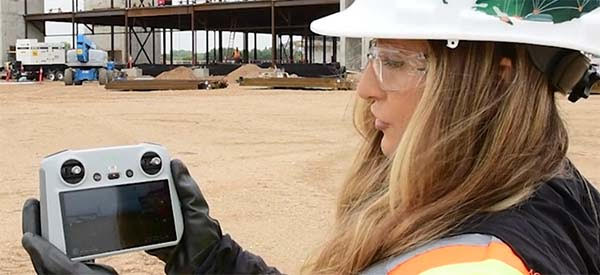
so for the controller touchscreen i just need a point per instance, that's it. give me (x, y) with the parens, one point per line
(117, 217)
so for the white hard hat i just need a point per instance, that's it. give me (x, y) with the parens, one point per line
(569, 24)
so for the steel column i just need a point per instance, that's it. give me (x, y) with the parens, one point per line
(334, 54)
(193, 26)
(273, 36)
(73, 23)
(207, 48)
(324, 49)
(164, 46)
(246, 57)
(291, 48)
(221, 46)
(171, 37)
(153, 46)
(255, 50)
(127, 38)
(26, 24)
(280, 49)
(112, 42)
(305, 49)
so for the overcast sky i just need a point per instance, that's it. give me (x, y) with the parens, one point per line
(181, 41)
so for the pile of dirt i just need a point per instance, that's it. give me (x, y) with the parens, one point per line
(179, 73)
(248, 71)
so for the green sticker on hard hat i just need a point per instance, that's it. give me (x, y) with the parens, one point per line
(552, 11)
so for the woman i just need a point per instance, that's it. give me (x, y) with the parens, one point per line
(463, 168)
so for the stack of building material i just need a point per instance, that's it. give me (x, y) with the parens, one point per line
(180, 78)
(299, 83)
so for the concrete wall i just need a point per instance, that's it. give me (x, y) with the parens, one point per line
(12, 25)
(103, 40)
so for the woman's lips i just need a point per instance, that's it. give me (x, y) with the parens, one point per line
(381, 125)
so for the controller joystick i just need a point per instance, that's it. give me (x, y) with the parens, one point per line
(151, 163)
(72, 171)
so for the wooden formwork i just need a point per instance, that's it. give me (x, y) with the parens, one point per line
(158, 84)
(299, 83)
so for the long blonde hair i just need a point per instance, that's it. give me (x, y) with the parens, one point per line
(478, 141)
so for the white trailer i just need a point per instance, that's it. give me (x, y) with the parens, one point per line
(50, 57)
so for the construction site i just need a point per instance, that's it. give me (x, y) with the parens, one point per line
(136, 40)
(243, 92)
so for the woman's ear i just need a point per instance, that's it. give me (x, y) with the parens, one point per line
(506, 69)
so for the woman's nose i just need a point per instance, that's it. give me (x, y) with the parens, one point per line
(368, 85)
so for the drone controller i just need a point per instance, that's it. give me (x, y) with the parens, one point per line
(107, 201)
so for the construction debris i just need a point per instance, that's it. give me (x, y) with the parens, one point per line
(299, 83)
(165, 84)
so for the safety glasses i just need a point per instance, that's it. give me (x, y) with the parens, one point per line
(396, 69)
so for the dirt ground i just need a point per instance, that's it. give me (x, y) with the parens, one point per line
(269, 162)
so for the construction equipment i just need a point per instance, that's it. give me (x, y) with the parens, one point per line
(86, 63)
(34, 57)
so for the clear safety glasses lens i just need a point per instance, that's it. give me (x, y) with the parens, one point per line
(397, 69)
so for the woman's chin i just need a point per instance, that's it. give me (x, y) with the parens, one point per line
(387, 147)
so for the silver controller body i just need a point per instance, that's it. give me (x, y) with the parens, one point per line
(107, 201)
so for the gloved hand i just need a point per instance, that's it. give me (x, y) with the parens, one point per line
(47, 258)
(201, 233)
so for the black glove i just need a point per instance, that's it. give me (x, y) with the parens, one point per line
(47, 258)
(201, 233)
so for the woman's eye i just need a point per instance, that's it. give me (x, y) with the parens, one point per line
(393, 64)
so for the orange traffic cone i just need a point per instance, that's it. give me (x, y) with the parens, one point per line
(41, 75)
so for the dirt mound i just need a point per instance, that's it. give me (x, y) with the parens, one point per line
(248, 70)
(179, 73)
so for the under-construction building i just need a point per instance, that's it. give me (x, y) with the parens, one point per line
(141, 31)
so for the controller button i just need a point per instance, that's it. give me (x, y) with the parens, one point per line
(113, 176)
(129, 173)
(97, 177)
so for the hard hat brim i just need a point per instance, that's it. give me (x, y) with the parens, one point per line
(427, 22)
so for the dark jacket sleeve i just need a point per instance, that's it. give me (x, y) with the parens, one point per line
(227, 257)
